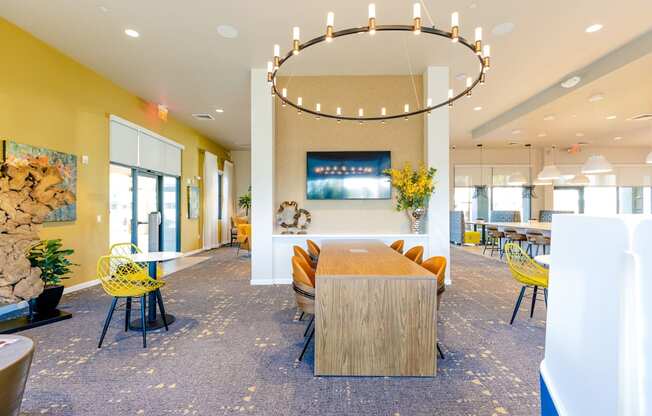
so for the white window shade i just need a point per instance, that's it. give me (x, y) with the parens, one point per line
(634, 175)
(466, 176)
(124, 144)
(135, 146)
(500, 174)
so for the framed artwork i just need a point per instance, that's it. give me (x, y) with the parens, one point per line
(193, 202)
(66, 163)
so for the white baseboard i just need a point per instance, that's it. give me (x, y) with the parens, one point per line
(270, 281)
(12, 307)
(80, 286)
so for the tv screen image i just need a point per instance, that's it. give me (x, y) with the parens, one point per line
(348, 175)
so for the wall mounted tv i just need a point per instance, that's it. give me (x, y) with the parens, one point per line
(348, 175)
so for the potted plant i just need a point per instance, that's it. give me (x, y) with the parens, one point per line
(244, 201)
(55, 266)
(414, 190)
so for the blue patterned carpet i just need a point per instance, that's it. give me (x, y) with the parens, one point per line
(233, 347)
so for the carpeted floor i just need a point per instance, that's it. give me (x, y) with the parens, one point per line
(233, 349)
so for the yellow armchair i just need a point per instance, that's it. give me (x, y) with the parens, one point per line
(244, 237)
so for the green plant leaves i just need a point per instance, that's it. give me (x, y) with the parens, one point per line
(53, 261)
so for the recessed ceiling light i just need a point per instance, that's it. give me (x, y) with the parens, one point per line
(596, 97)
(478, 108)
(461, 76)
(571, 82)
(227, 31)
(611, 117)
(517, 131)
(131, 33)
(593, 28)
(503, 29)
(549, 117)
(219, 110)
(618, 138)
(541, 135)
(579, 134)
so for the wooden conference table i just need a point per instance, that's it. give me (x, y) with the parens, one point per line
(375, 312)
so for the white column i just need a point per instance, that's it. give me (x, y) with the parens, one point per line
(262, 178)
(437, 154)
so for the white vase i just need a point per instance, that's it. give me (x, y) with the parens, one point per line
(416, 217)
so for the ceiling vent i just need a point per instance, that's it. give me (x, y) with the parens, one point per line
(641, 117)
(203, 116)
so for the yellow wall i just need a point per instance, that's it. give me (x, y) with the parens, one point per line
(297, 134)
(49, 100)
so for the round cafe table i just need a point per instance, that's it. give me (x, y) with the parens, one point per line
(154, 321)
(543, 260)
(15, 359)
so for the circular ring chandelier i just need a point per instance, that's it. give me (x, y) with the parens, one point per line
(483, 54)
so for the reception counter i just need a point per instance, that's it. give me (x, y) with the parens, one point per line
(282, 248)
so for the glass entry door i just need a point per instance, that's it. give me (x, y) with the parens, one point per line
(147, 201)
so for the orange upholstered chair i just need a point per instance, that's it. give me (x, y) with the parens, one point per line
(437, 266)
(415, 254)
(313, 249)
(398, 245)
(304, 294)
(299, 251)
(305, 263)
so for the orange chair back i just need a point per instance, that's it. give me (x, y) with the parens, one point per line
(437, 265)
(299, 251)
(304, 288)
(398, 245)
(313, 248)
(415, 254)
(304, 263)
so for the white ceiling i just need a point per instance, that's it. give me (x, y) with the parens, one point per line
(180, 60)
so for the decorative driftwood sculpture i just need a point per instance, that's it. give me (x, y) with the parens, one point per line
(28, 193)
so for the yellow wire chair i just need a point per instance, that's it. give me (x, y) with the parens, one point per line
(127, 249)
(123, 278)
(527, 272)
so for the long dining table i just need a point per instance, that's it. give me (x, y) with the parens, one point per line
(375, 312)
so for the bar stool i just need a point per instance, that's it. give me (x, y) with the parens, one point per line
(494, 240)
(533, 239)
(514, 236)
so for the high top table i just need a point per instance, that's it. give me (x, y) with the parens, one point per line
(375, 312)
(152, 259)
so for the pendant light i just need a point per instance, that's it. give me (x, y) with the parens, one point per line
(580, 180)
(596, 164)
(550, 172)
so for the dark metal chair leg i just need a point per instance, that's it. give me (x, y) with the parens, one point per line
(545, 296)
(534, 300)
(159, 300)
(301, 317)
(308, 327)
(305, 346)
(518, 304)
(441, 353)
(143, 318)
(107, 321)
(127, 314)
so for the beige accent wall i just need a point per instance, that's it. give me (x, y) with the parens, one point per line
(297, 134)
(242, 175)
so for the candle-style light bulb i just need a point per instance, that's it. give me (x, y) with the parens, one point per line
(277, 56)
(372, 18)
(450, 97)
(406, 109)
(455, 26)
(469, 83)
(416, 15)
(478, 40)
(284, 94)
(270, 69)
(299, 103)
(486, 60)
(330, 22)
(360, 112)
(338, 111)
(429, 104)
(383, 111)
(296, 34)
(317, 109)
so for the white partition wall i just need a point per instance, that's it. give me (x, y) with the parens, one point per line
(598, 342)
(437, 154)
(262, 178)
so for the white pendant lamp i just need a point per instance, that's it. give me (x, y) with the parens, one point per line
(581, 180)
(596, 164)
(550, 172)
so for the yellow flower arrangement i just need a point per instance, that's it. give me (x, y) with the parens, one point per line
(414, 186)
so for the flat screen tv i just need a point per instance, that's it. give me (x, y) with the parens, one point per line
(348, 175)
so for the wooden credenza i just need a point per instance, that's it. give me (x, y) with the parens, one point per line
(375, 312)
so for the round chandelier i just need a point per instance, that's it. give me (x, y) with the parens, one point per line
(482, 52)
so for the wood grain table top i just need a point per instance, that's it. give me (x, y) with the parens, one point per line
(366, 259)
